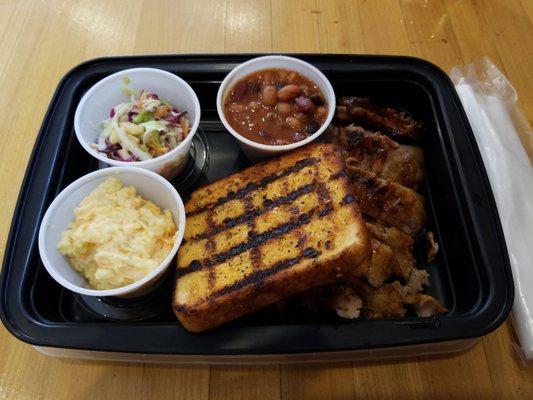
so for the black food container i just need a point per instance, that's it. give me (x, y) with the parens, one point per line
(471, 274)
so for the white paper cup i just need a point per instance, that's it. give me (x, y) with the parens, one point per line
(95, 105)
(60, 214)
(258, 151)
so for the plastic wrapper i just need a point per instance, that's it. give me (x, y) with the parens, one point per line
(503, 135)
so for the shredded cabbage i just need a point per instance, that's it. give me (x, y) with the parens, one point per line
(160, 126)
(142, 128)
(128, 145)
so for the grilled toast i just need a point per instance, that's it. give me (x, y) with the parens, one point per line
(268, 232)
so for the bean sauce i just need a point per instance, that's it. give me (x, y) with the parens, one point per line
(276, 107)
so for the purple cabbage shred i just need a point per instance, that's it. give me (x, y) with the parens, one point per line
(111, 147)
(112, 152)
(174, 117)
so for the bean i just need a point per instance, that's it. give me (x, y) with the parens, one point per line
(298, 136)
(304, 105)
(289, 92)
(270, 95)
(284, 108)
(293, 123)
(321, 111)
(301, 117)
(317, 99)
(312, 127)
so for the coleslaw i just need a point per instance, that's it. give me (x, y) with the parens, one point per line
(146, 127)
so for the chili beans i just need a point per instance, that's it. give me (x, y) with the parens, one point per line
(289, 92)
(270, 95)
(276, 107)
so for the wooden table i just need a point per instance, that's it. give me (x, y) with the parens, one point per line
(43, 39)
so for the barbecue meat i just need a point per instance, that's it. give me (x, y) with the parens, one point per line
(401, 246)
(359, 299)
(382, 155)
(381, 264)
(397, 124)
(385, 301)
(387, 202)
(416, 282)
(346, 303)
(390, 300)
(392, 256)
(432, 247)
(425, 305)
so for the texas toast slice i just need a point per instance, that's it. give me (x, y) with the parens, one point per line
(268, 232)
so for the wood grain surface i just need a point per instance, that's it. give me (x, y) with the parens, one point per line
(42, 39)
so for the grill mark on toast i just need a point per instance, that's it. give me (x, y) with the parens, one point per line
(253, 241)
(300, 234)
(258, 239)
(250, 213)
(210, 248)
(268, 204)
(258, 276)
(240, 193)
(325, 198)
(255, 257)
(323, 193)
(255, 252)
(194, 266)
(349, 198)
(288, 198)
(325, 211)
(302, 239)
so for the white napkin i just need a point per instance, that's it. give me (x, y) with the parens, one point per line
(490, 104)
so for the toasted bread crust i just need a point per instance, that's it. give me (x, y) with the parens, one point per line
(311, 237)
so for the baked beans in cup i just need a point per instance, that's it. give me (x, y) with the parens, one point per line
(275, 104)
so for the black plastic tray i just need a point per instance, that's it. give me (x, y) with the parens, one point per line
(471, 274)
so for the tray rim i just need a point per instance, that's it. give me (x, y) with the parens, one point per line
(498, 317)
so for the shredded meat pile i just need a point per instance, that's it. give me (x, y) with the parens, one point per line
(385, 175)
